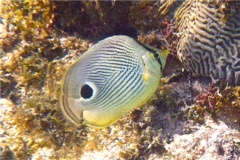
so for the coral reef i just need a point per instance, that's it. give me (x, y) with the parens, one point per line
(90, 19)
(221, 100)
(154, 28)
(209, 39)
(28, 19)
(187, 118)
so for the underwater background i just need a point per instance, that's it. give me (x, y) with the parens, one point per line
(195, 113)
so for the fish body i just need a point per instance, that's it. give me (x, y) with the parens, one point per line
(115, 76)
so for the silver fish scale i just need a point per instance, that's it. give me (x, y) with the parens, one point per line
(117, 67)
(208, 45)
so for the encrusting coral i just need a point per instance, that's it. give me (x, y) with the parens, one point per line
(39, 40)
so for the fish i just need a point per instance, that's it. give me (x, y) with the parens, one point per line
(113, 77)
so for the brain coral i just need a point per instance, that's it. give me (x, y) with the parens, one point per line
(209, 39)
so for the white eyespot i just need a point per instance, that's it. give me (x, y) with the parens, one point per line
(88, 91)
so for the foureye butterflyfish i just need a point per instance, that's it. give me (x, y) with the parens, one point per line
(115, 76)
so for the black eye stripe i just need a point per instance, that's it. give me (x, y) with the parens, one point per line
(156, 56)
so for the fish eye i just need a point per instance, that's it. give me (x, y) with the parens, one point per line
(86, 91)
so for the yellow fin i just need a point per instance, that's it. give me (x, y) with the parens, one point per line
(146, 76)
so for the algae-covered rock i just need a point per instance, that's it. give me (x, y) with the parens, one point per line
(187, 118)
